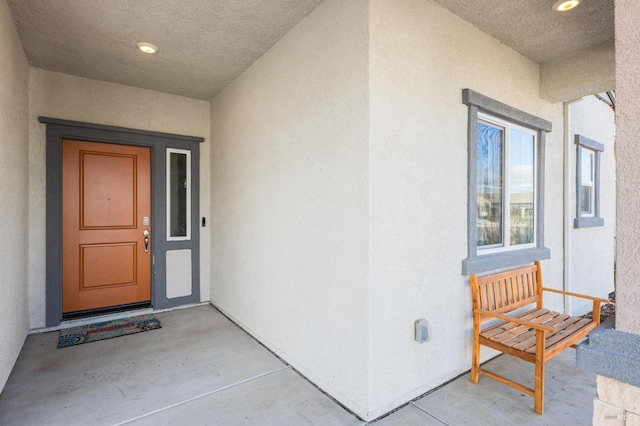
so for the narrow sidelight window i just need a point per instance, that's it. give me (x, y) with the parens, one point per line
(178, 194)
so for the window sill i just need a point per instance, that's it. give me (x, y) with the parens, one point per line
(587, 222)
(509, 259)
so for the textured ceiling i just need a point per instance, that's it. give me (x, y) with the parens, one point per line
(535, 30)
(203, 44)
(206, 44)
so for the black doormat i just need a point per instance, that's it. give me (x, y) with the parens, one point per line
(106, 330)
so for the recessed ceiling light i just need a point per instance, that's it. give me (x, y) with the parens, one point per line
(147, 47)
(564, 5)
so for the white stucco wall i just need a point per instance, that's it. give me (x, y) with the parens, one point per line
(422, 56)
(290, 199)
(69, 97)
(14, 161)
(591, 254)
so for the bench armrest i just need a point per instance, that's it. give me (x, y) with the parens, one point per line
(515, 320)
(583, 296)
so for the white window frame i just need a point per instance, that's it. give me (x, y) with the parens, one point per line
(168, 191)
(506, 126)
(591, 184)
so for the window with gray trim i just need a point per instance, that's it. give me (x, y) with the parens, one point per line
(587, 183)
(505, 212)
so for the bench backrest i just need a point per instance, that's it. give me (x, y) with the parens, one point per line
(506, 291)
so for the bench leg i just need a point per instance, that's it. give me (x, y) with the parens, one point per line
(538, 397)
(475, 356)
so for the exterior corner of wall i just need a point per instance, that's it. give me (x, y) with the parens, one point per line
(627, 61)
(14, 165)
(205, 210)
(289, 199)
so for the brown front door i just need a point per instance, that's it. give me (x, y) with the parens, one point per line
(106, 212)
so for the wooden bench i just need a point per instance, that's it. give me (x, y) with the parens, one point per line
(535, 335)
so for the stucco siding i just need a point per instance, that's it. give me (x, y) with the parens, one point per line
(74, 98)
(627, 154)
(290, 199)
(613, 396)
(422, 56)
(582, 73)
(14, 207)
(592, 250)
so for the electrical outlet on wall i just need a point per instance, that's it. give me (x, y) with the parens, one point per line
(422, 330)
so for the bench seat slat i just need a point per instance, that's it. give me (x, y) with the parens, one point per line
(555, 322)
(567, 333)
(527, 334)
(521, 338)
(505, 325)
(522, 333)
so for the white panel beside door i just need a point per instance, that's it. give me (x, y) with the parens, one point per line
(178, 273)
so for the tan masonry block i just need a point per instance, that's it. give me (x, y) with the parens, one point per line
(607, 415)
(632, 419)
(619, 394)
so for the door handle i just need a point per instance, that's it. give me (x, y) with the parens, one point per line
(145, 233)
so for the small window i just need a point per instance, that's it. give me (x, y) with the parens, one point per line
(587, 182)
(178, 194)
(505, 185)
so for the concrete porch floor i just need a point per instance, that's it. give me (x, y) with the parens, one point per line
(201, 369)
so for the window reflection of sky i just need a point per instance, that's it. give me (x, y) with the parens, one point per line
(521, 162)
(587, 165)
(489, 159)
(489, 179)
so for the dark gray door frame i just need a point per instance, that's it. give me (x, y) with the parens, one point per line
(57, 130)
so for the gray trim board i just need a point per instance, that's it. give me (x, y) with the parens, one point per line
(589, 143)
(581, 221)
(485, 103)
(57, 130)
(472, 181)
(587, 222)
(542, 138)
(475, 263)
(611, 353)
(496, 261)
(115, 129)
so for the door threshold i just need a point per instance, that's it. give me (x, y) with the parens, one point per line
(92, 313)
(68, 323)
(100, 317)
